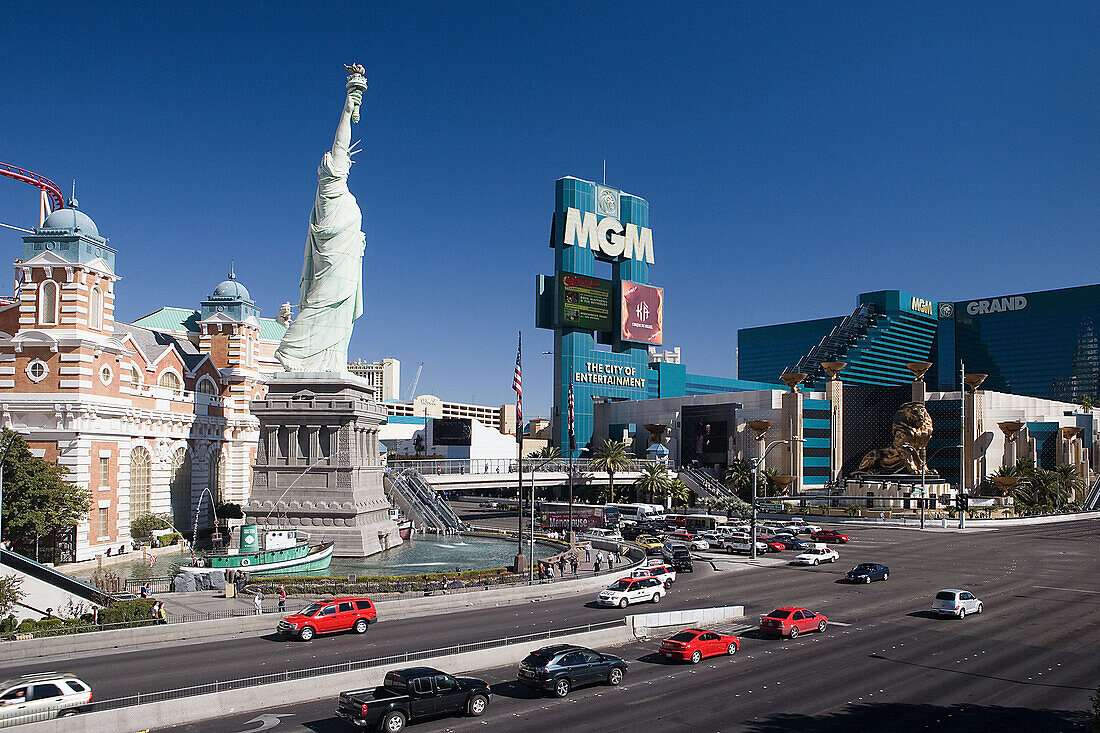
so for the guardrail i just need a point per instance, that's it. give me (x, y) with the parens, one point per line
(302, 673)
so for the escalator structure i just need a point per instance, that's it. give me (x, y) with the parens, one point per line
(1092, 501)
(420, 502)
(703, 485)
(876, 346)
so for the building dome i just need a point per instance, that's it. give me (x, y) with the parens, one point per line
(71, 219)
(231, 289)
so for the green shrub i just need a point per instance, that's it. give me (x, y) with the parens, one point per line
(138, 609)
(168, 539)
(145, 524)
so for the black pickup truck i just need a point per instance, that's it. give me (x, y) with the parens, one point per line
(411, 694)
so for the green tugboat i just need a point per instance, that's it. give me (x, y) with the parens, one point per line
(282, 550)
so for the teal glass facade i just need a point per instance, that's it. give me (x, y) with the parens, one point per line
(1042, 344)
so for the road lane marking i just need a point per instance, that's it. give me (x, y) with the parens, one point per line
(1072, 590)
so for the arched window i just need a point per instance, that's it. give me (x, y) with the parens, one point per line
(139, 482)
(206, 386)
(217, 475)
(47, 303)
(170, 380)
(95, 309)
(181, 489)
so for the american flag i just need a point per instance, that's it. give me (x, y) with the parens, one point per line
(517, 385)
(152, 559)
(572, 435)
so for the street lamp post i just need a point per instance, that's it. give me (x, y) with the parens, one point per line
(924, 473)
(760, 427)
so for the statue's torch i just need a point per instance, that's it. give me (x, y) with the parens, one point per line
(356, 80)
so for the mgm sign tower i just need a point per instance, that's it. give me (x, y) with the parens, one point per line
(599, 294)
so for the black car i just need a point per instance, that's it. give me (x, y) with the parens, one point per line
(679, 557)
(558, 669)
(865, 572)
(790, 542)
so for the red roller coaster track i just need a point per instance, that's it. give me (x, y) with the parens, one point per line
(48, 187)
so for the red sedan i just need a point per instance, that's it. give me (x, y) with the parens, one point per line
(792, 621)
(691, 645)
(829, 535)
(773, 545)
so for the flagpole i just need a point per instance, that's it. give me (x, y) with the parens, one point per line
(521, 559)
(572, 442)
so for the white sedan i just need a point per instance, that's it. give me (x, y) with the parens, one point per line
(816, 556)
(625, 591)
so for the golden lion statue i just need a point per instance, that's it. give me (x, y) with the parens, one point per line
(912, 428)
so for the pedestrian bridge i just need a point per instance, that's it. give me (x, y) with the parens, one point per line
(473, 475)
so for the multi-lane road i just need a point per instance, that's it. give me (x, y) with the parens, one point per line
(884, 663)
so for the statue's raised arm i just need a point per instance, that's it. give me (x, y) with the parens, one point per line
(332, 275)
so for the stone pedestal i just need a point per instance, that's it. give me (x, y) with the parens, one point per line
(318, 462)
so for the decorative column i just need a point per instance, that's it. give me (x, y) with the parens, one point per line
(918, 369)
(834, 392)
(971, 407)
(1010, 429)
(792, 425)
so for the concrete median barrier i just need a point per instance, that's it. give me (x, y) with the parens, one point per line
(641, 623)
(261, 697)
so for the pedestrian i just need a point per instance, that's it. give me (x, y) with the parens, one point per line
(561, 566)
(550, 572)
(146, 591)
(162, 615)
(282, 598)
(258, 602)
(596, 565)
(573, 563)
(588, 553)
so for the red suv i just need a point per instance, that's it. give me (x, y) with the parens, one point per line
(328, 617)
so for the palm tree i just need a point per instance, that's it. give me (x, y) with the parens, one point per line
(547, 451)
(739, 478)
(678, 492)
(1071, 484)
(766, 485)
(611, 456)
(654, 479)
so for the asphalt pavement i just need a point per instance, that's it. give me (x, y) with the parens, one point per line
(883, 662)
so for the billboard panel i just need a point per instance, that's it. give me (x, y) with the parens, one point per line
(451, 431)
(705, 434)
(643, 313)
(584, 302)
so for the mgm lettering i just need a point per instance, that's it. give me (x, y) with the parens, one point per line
(613, 374)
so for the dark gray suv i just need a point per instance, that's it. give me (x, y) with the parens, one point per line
(558, 669)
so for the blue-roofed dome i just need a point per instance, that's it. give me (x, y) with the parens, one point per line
(231, 289)
(71, 219)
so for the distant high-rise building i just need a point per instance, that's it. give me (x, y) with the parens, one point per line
(384, 375)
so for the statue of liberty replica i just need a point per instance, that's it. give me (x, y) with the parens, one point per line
(332, 276)
(318, 467)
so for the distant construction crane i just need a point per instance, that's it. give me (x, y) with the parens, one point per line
(416, 380)
(51, 196)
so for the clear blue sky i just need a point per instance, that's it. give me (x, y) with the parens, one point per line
(793, 154)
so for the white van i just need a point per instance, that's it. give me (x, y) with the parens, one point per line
(639, 512)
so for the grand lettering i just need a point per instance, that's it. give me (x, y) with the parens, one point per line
(996, 305)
